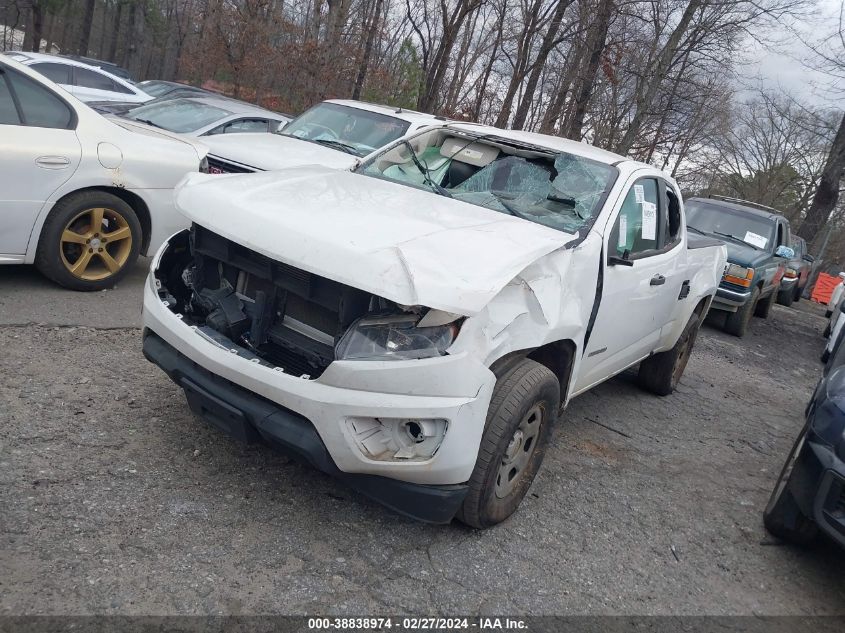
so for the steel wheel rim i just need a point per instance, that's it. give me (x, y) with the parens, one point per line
(95, 244)
(518, 453)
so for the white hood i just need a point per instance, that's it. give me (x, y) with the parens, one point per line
(401, 243)
(272, 152)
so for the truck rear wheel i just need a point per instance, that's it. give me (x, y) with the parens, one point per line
(519, 424)
(786, 297)
(662, 372)
(737, 322)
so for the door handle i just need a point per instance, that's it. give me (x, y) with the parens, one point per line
(657, 280)
(52, 162)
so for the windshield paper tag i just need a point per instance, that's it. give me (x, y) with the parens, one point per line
(623, 231)
(649, 221)
(755, 240)
(639, 193)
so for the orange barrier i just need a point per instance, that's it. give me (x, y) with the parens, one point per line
(824, 287)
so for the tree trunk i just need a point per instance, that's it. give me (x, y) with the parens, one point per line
(87, 22)
(368, 51)
(827, 193)
(520, 67)
(548, 44)
(115, 32)
(37, 26)
(597, 40)
(653, 77)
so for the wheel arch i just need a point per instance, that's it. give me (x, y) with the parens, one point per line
(558, 356)
(137, 203)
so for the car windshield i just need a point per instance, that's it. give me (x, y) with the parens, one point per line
(556, 189)
(154, 88)
(727, 223)
(178, 115)
(345, 129)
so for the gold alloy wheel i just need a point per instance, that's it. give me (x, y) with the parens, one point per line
(95, 244)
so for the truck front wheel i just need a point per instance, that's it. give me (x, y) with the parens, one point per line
(519, 424)
(737, 322)
(662, 372)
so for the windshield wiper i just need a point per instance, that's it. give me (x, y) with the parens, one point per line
(736, 239)
(427, 178)
(345, 147)
(148, 122)
(699, 231)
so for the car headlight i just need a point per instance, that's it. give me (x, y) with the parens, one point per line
(394, 337)
(739, 275)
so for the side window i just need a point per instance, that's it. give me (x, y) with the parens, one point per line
(670, 218)
(8, 111)
(85, 78)
(117, 87)
(60, 73)
(636, 227)
(38, 106)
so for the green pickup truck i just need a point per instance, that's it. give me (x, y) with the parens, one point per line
(757, 239)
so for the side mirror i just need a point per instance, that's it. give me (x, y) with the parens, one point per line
(785, 252)
(809, 258)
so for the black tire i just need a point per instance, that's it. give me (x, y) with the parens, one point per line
(736, 323)
(797, 296)
(825, 356)
(764, 306)
(528, 389)
(661, 373)
(782, 516)
(65, 256)
(826, 332)
(786, 297)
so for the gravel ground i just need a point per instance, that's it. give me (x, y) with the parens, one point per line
(116, 500)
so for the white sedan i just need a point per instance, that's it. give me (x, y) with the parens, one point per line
(82, 196)
(86, 83)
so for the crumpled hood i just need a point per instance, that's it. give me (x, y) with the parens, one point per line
(272, 152)
(404, 244)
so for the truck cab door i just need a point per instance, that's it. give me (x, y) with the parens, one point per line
(641, 282)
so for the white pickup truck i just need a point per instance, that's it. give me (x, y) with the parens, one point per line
(414, 325)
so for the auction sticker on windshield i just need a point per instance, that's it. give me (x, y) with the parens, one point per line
(755, 240)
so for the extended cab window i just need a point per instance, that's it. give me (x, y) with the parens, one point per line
(636, 227)
(38, 106)
(670, 218)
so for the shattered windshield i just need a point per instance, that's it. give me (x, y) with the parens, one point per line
(557, 189)
(345, 129)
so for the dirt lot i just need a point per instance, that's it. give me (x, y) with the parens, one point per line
(117, 500)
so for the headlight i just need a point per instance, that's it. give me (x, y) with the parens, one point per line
(204, 165)
(394, 337)
(739, 275)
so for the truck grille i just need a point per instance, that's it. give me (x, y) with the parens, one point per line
(219, 166)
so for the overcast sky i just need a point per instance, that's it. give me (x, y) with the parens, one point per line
(785, 65)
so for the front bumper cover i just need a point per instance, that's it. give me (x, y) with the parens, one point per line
(251, 418)
(730, 300)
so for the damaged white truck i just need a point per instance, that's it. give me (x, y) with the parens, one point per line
(413, 326)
